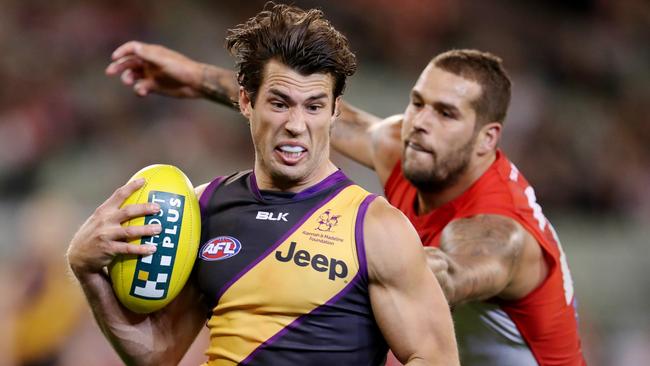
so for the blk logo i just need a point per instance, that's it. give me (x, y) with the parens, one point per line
(263, 215)
(219, 248)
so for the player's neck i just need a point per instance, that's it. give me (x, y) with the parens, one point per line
(267, 183)
(429, 201)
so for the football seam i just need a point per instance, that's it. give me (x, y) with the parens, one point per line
(190, 196)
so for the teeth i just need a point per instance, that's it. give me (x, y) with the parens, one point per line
(292, 149)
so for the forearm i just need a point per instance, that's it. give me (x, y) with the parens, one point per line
(351, 134)
(465, 281)
(130, 334)
(219, 85)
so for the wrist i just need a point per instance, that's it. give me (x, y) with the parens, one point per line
(198, 78)
(82, 272)
(215, 85)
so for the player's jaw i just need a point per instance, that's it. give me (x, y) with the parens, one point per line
(291, 162)
(430, 170)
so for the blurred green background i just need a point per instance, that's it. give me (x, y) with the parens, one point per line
(578, 129)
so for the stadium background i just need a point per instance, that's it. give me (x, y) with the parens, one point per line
(577, 128)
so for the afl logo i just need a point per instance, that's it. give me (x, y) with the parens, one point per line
(221, 247)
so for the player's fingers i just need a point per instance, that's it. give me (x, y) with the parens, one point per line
(136, 210)
(128, 233)
(127, 48)
(142, 87)
(151, 52)
(127, 77)
(122, 193)
(437, 264)
(124, 63)
(135, 232)
(118, 247)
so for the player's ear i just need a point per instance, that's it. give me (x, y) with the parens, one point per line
(245, 105)
(337, 108)
(488, 138)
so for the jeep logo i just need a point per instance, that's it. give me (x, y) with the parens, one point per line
(318, 262)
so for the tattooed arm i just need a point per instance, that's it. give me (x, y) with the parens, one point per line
(486, 256)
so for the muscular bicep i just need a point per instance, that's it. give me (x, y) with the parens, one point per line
(407, 301)
(483, 254)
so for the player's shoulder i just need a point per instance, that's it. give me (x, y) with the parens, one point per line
(387, 145)
(391, 242)
(380, 210)
(385, 224)
(388, 130)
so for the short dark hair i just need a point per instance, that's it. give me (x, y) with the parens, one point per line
(303, 40)
(487, 70)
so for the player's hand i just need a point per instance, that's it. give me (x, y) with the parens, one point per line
(150, 68)
(436, 259)
(442, 267)
(102, 237)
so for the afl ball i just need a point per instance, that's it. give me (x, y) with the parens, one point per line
(145, 284)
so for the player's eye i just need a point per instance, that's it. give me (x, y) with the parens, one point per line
(278, 105)
(314, 107)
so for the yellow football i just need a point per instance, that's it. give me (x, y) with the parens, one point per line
(147, 283)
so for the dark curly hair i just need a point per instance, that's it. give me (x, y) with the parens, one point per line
(303, 40)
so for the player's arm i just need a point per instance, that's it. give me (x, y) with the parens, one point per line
(368, 139)
(150, 68)
(485, 256)
(407, 301)
(159, 338)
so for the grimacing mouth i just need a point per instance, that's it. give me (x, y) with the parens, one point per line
(416, 146)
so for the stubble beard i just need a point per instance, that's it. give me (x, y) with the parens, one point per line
(444, 173)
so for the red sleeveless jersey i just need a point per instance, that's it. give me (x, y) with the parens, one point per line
(540, 328)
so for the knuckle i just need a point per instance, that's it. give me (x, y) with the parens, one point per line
(99, 211)
(103, 238)
(128, 231)
(126, 211)
(120, 192)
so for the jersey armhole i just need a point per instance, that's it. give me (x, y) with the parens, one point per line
(204, 200)
(359, 237)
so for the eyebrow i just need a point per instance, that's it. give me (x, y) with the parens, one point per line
(416, 94)
(450, 107)
(284, 96)
(438, 104)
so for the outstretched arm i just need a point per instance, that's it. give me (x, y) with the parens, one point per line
(407, 301)
(159, 338)
(150, 68)
(485, 256)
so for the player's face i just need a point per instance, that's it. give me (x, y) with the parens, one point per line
(290, 126)
(438, 130)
